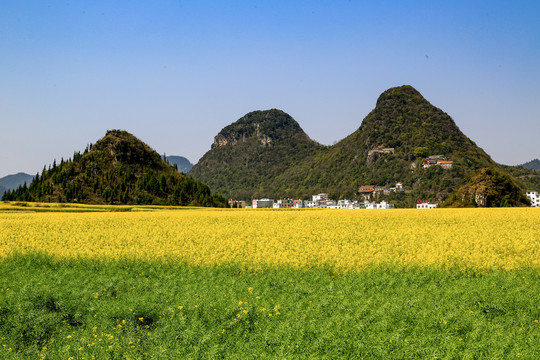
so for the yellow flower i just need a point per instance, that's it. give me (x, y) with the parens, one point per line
(476, 239)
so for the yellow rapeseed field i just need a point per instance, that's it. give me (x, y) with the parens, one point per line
(479, 239)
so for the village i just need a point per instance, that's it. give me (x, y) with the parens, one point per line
(318, 201)
(367, 192)
(322, 200)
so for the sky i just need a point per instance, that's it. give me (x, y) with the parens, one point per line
(174, 73)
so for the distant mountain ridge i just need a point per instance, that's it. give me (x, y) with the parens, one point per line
(183, 164)
(117, 169)
(532, 165)
(267, 154)
(11, 182)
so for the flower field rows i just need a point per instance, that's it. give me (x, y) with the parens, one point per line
(477, 239)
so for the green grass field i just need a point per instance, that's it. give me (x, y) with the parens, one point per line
(83, 309)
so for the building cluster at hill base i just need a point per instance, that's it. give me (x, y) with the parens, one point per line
(318, 201)
(323, 201)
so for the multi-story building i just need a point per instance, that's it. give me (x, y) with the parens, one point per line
(437, 160)
(345, 204)
(283, 204)
(263, 203)
(382, 205)
(320, 197)
(424, 204)
(446, 164)
(533, 197)
(237, 203)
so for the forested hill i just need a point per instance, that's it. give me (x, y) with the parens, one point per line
(248, 156)
(118, 169)
(391, 144)
(405, 122)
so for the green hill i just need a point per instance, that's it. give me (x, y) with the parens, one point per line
(275, 158)
(527, 179)
(411, 129)
(249, 155)
(118, 169)
(489, 187)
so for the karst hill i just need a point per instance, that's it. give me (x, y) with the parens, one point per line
(404, 139)
(248, 156)
(266, 153)
(117, 169)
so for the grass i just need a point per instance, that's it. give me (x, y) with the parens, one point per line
(85, 309)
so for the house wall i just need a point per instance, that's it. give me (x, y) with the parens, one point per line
(534, 198)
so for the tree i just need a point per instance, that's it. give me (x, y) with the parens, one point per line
(421, 152)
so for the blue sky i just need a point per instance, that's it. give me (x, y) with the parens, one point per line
(174, 73)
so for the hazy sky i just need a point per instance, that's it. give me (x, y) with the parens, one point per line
(174, 73)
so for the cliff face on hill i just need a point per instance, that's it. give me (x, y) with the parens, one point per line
(266, 153)
(489, 187)
(248, 155)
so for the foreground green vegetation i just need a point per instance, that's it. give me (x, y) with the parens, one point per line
(84, 309)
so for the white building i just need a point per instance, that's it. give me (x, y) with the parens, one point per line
(533, 197)
(320, 197)
(424, 204)
(345, 204)
(263, 203)
(382, 205)
(327, 204)
(283, 204)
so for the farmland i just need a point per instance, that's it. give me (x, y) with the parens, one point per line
(150, 282)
